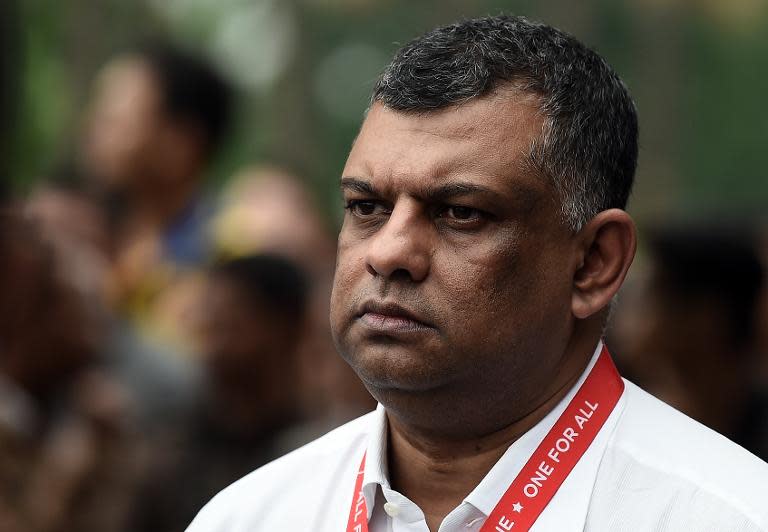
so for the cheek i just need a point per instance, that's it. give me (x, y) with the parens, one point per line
(350, 267)
(505, 284)
(483, 274)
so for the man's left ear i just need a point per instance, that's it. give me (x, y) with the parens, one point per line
(606, 247)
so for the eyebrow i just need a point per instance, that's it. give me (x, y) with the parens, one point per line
(358, 185)
(452, 190)
(441, 193)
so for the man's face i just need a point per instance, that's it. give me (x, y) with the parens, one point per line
(242, 342)
(453, 273)
(123, 122)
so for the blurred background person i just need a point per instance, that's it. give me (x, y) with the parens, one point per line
(253, 317)
(131, 213)
(156, 119)
(266, 209)
(66, 438)
(161, 382)
(688, 331)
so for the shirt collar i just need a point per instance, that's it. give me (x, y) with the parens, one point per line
(376, 471)
(485, 496)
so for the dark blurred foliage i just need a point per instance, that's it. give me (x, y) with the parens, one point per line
(8, 89)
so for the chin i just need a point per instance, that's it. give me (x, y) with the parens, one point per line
(393, 368)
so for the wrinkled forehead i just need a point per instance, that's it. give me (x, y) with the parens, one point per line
(492, 135)
(510, 101)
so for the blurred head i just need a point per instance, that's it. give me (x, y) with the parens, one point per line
(76, 228)
(254, 314)
(47, 330)
(484, 235)
(268, 210)
(699, 303)
(157, 115)
(686, 330)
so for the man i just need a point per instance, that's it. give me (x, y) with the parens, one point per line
(157, 118)
(255, 311)
(483, 243)
(67, 450)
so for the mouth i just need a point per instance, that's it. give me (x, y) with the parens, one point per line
(390, 318)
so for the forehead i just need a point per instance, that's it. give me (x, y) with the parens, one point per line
(127, 82)
(488, 137)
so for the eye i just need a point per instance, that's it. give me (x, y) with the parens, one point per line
(462, 218)
(365, 208)
(462, 213)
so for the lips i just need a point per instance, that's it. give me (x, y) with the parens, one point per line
(388, 317)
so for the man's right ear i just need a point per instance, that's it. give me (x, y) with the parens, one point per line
(607, 245)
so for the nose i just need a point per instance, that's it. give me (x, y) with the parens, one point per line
(401, 247)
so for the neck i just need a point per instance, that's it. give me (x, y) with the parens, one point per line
(437, 472)
(157, 206)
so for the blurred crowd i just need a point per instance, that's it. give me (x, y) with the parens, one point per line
(159, 339)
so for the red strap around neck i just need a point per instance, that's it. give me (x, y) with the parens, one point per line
(551, 462)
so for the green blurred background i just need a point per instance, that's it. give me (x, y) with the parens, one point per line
(698, 70)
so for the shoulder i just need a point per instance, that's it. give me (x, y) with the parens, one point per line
(298, 484)
(681, 462)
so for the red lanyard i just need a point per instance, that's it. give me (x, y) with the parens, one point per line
(551, 462)
(358, 513)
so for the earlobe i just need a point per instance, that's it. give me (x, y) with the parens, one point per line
(607, 247)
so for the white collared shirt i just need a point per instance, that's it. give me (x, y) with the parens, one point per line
(650, 468)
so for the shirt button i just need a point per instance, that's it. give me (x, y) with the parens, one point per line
(392, 509)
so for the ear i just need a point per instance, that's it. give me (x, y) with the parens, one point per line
(607, 246)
